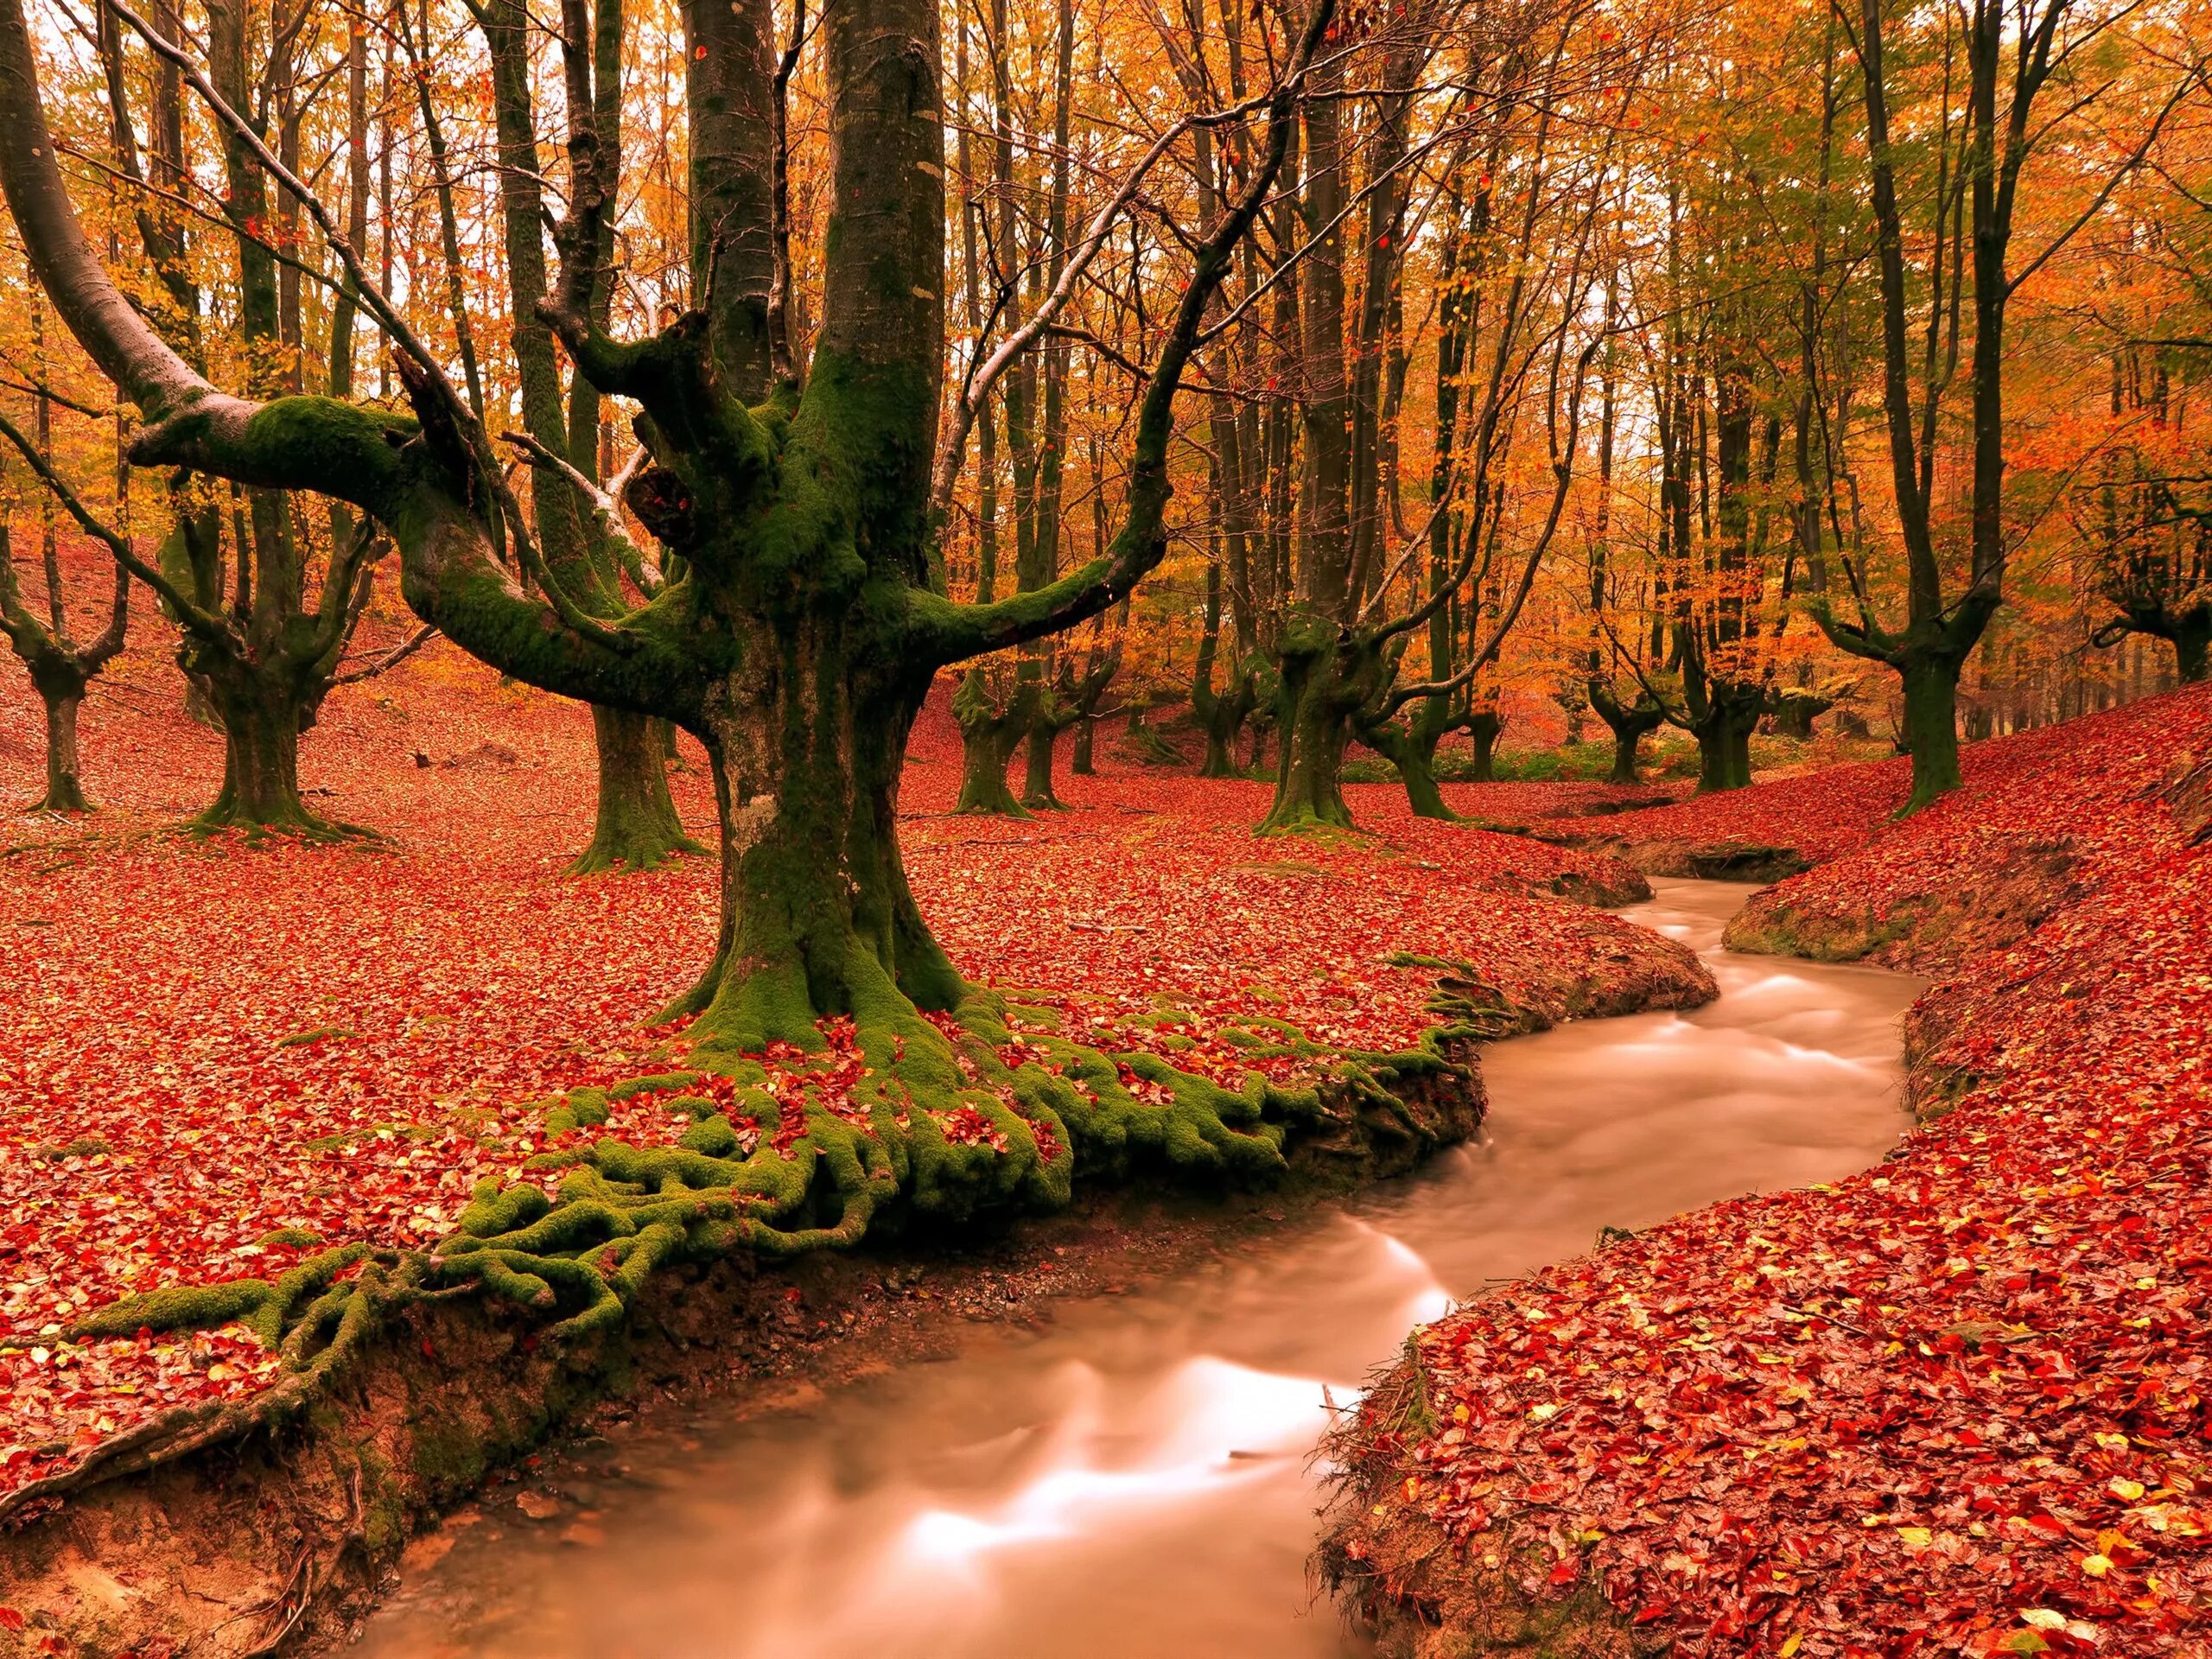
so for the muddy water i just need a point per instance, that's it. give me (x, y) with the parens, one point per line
(1133, 1480)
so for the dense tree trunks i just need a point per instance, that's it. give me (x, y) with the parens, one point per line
(637, 826)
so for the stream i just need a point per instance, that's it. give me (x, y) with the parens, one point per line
(1133, 1478)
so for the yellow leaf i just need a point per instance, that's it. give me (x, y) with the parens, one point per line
(1915, 1537)
(2126, 1491)
(2096, 1565)
(1793, 1644)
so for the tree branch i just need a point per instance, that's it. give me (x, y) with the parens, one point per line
(948, 632)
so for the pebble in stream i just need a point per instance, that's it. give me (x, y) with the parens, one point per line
(1133, 1481)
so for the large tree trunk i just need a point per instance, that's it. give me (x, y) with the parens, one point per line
(817, 915)
(637, 826)
(1326, 676)
(1724, 754)
(260, 759)
(1412, 749)
(1079, 752)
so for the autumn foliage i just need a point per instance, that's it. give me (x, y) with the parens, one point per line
(1957, 1404)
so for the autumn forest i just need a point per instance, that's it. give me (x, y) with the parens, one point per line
(973, 799)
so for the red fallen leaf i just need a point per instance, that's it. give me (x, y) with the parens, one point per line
(1939, 1407)
(10, 1620)
(1566, 1572)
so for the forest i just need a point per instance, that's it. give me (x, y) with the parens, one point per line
(712, 712)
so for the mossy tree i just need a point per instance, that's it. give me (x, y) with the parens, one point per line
(2010, 59)
(266, 597)
(809, 616)
(62, 667)
(635, 824)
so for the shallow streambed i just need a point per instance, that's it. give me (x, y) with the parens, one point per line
(1133, 1479)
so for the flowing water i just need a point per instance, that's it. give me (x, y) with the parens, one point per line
(1133, 1480)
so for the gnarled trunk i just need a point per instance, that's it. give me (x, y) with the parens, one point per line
(262, 717)
(1483, 727)
(1412, 749)
(1043, 737)
(637, 826)
(1326, 676)
(817, 915)
(1079, 752)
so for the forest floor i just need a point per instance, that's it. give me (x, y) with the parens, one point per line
(217, 1058)
(1958, 1403)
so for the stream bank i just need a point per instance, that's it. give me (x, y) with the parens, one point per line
(1129, 1475)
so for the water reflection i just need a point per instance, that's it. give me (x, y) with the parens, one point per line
(1133, 1480)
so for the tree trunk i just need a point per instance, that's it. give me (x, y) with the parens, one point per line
(65, 788)
(1412, 750)
(637, 827)
(1221, 716)
(1037, 771)
(1309, 787)
(1325, 675)
(1079, 760)
(261, 762)
(1931, 725)
(1482, 730)
(1221, 752)
(987, 739)
(817, 915)
(1626, 740)
(2192, 638)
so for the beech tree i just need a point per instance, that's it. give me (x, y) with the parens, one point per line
(61, 666)
(809, 616)
(1968, 276)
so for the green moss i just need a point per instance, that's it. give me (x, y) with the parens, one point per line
(658, 1083)
(317, 1034)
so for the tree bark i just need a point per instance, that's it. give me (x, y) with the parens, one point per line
(65, 787)
(637, 826)
(988, 736)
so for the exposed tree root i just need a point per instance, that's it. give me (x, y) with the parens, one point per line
(905, 1121)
